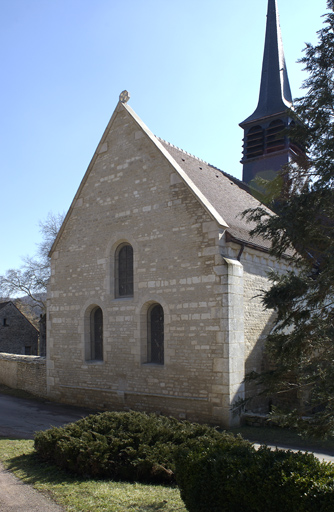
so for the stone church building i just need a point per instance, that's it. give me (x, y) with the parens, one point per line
(153, 302)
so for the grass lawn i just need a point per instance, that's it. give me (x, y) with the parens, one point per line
(84, 495)
(79, 495)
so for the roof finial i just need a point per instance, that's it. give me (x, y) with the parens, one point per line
(124, 97)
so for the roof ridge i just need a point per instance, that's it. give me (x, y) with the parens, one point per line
(238, 182)
(3, 304)
(183, 151)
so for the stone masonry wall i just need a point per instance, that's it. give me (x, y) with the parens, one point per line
(27, 373)
(17, 334)
(133, 194)
(258, 321)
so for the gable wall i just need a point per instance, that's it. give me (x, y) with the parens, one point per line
(133, 194)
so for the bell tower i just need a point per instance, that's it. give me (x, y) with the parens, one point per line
(265, 148)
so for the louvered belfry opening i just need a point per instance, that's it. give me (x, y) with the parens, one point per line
(296, 146)
(255, 142)
(260, 141)
(275, 139)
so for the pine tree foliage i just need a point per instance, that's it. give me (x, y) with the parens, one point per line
(301, 344)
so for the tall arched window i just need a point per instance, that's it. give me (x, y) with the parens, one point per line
(124, 271)
(155, 342)
(96, 334)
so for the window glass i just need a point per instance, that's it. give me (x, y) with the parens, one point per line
(156, 335)
(124, 271)
(96, 334)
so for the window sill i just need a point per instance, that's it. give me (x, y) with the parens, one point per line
(155, 365)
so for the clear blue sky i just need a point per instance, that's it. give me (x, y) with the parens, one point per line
(192, 68)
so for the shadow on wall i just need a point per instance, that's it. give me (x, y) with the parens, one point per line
(256, 361)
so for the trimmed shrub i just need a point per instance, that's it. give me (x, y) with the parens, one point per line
(231, 478)
(125, 445)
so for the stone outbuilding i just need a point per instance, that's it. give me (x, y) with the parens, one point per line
(17, 334)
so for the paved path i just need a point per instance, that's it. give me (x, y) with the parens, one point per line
(328, 457)
(15, 496)
(21, 418)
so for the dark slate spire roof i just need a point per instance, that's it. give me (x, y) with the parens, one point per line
(275, 94)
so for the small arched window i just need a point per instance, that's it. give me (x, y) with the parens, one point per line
(124, 271)
(275, 138)
(96, 334)
(255, 142)
(155, 331)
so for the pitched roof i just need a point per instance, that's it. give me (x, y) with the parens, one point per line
(228, 195)
(4, 304)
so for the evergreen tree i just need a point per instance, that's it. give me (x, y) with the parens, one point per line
(301, 344)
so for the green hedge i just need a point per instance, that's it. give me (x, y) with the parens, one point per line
(235, 478)
(125, 445)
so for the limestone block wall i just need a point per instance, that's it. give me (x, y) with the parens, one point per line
(258, 321)
(27, 373)
(232, 332)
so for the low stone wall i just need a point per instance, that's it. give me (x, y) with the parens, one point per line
(27, 373)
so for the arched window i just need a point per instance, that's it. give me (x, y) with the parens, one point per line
(275, 138)
(155, 331)
(124, 271)
(96, 334)
(255, 142)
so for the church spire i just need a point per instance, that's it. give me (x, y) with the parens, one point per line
(270, 117)
(275, 94)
